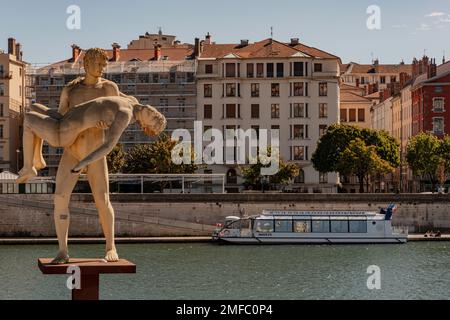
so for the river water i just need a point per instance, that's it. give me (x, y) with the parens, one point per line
(416, 270)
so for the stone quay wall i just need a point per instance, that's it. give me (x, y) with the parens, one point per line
(147, 215)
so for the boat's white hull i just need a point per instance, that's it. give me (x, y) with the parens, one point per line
(311, 240)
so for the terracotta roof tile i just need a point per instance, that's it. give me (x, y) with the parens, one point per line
(347, 87)
(382, 68)
(262, 49)
(348, 96)
(315, 52)
(375, 95)
(174, 53)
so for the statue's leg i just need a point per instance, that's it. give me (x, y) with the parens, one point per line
(38, 161)
(36, 127)
(28, 171)
(44, 127)
(65, 182)
(98, 180)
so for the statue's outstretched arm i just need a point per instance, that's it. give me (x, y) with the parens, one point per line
(111, 138)
(64, 101)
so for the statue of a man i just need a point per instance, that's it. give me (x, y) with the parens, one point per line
(81, 90)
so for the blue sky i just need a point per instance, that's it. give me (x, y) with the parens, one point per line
(339, 27)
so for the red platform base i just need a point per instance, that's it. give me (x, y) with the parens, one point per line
(90, 270)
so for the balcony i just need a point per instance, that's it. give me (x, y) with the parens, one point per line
(325, 74)
(207, 75)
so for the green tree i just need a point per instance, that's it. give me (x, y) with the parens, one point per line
(156, 157)
(331, 146)
(423, 155)
(286, 172)
(362, 160)
(445, 154)
(116, 159)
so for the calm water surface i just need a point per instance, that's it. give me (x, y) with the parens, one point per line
(206, 271)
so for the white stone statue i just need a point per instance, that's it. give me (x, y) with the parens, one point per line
(115, 114)
(91, 117)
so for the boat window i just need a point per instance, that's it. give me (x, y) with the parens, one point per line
(358, 226)
(339, 226)
(246, 224)
(264, 225)
(234, 225)
(321, 226)
(283, 225)
(302, 226)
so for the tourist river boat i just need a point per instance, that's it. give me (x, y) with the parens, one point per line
(321, 227)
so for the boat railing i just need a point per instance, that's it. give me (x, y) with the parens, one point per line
(317, 212)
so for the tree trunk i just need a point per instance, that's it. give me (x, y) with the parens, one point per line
(367, 183)
(361, 183)
(433, 182)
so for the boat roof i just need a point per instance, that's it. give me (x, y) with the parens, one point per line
(318, 213)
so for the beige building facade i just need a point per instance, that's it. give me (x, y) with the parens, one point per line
(354, 106)
(381, 116)
(12, 103)
(270, 85)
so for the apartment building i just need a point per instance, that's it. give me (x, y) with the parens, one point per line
(373, 77)
(270, 85)
(430, 92)
(12, 103)
(156, 69)
(354, 106)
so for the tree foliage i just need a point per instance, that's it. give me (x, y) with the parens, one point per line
(116, 159)
(156, 157)
(445, 154)
(425, 154)
(362, 160)
(286, 172)
(378, 146)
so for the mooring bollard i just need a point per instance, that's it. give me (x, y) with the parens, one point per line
(89, 272)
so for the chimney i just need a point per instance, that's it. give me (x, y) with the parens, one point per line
(244, 43)
(12, 46)
(294, 41)
(157, 53)
(202, 45)
(75, 52)
(19, 52)
(404, 77)
(376, 64)
(116, 52)
(208, 38)
(423, 65)
(197, 47)
(432, 69)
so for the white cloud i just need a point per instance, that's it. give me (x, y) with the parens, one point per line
(435, 14)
